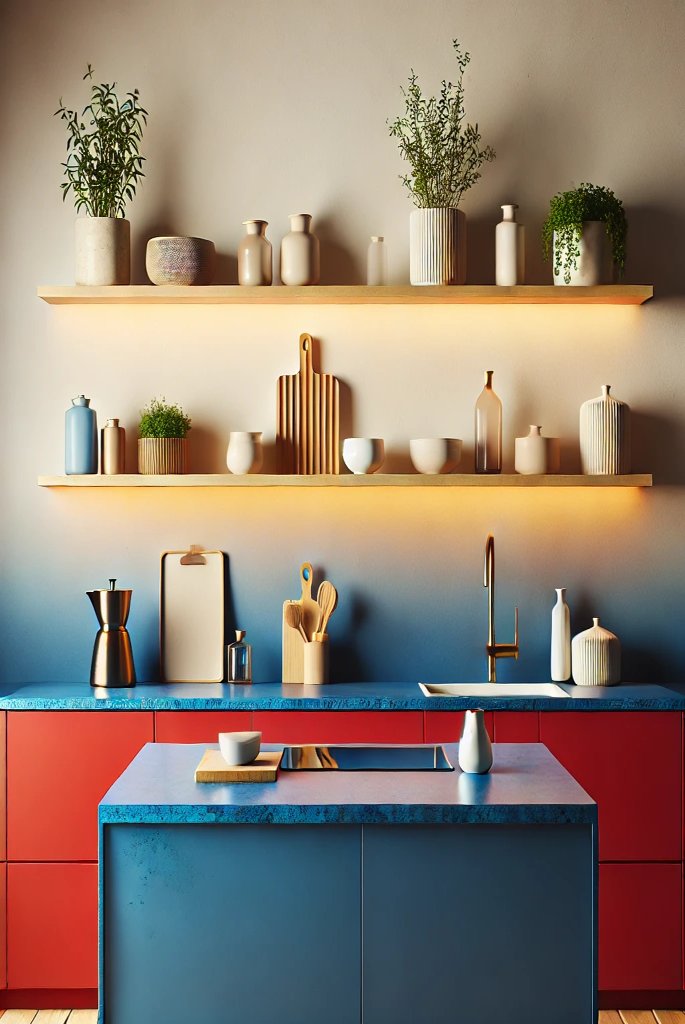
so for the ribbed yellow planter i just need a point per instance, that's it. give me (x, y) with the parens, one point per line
(163, 455)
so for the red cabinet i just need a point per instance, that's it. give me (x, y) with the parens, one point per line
(3, 787)
(446, 726)
(3, 926)
(198, 726)
(630, 763)
(52, 925)
(60, 765)
(640, 934)
(516, 727)
(339, 726)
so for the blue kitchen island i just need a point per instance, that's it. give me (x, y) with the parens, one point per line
(360, 897)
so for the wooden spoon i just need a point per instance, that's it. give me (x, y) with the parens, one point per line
(327, 599)
(293, 618)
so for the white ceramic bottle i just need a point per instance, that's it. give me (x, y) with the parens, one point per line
(475, 748)
(510, 241)
(561, 639)
(255, 260)
(535, 454)
(605, 435)
(300, 252)
(376, 261)
(488, 428)
(596, 657)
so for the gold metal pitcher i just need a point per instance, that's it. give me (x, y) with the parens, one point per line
(112, 663)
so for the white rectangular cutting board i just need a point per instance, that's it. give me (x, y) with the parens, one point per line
(192, 619)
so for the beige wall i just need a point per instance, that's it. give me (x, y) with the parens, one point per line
(263, 108)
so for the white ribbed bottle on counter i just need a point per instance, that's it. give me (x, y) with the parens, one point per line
(605, 435)
(561, 639)
(596, 657)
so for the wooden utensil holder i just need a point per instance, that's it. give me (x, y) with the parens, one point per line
(316, 660)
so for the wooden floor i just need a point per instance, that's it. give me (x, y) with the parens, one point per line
(90, 1016)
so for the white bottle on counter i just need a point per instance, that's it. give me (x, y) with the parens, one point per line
(509, 248)
(561, 639)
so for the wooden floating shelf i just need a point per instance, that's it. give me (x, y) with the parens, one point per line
(348, 480)
(349, 294)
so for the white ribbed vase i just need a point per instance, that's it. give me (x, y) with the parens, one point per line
(605, 435)
(437, 246)
(596, 657)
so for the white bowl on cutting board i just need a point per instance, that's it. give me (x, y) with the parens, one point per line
(239, 747)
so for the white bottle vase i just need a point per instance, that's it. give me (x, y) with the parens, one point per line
(561, 639)
(475, 748)
(102, 251)
(594, 264)
(437, 246)
(255, 260)
(596, 657)
(605, 435)
(300, 263)
(535, 454)
(510, 240)
(376, 262)
(244, 453)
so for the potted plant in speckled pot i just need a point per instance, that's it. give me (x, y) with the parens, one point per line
(585, 232)
(163, 441)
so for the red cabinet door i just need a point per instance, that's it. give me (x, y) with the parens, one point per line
(446, 726)
(198, 726)
(3, 926)
(630, 762)
(517, 726)
(339, 726)
(59, 766)
(640, 927)
(3, 787)
(52, 918)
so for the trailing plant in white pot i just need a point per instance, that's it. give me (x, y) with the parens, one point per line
(585, 233)
(445, 154)
(101, 172)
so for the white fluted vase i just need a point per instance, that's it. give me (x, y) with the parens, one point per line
(596, 657)
(605, 435)
(437, 246)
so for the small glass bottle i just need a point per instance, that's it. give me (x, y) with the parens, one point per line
(239, 659)
(488, 429)
(376, 261)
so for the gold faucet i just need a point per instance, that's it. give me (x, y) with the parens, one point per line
(492, 649)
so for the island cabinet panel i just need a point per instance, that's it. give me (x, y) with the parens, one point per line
(60, 765)
(52, 912)
(640, 932)
(339, 726)
(3, 785)
(3, 926)
(630, 763)
(446, 726)
(198, 726)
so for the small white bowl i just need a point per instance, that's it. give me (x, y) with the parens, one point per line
(239, 747)
(363, 455)
(433, 455)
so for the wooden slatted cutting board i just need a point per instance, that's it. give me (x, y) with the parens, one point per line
(308, 418)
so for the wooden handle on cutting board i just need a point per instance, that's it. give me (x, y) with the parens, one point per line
(306, 579)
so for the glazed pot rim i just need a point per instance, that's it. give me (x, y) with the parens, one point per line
(179, 238)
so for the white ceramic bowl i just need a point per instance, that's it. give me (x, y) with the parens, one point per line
(433, 455)
(363, 455)
(239, 747)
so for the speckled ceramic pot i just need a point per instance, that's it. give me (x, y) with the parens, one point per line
(178, 260)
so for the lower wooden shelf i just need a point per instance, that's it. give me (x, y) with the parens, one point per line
(348, 480)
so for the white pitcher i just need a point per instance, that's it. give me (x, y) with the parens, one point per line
(475, 748)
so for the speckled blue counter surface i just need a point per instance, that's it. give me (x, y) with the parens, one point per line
(527, 785)
(334, 697)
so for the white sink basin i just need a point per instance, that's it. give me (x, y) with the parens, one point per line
(485, 690)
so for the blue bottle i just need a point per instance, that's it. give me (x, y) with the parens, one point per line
(80, 438)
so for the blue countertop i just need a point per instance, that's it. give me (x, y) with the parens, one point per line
(527, 785)
(334, 697)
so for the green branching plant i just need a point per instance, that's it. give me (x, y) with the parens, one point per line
(160, 419)
(103, 165)
(443, 151)
(567, 211)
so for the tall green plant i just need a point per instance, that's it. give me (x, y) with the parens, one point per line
(567, 211)
(443, 151)
(103, 165)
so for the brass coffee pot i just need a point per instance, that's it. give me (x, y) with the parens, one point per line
(112, 663)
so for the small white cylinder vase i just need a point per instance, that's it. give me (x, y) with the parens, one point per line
(605, 435)
(475, 748)
(255, 258)
(561, 639)
(300, 261)
(594, 264)
(102, 251)
(596, 657)
(244, 453)
(376, 261)
(510, 241)
(437, 246)
(535, 454)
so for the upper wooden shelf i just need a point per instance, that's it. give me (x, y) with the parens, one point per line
(347, 480)
(349, 294)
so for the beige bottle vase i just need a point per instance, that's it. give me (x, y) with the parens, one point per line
(300, 263)
(255, 260)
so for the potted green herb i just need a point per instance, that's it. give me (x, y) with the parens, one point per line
(445, 155)
(102, 169)
(162, 443)
(585, 232)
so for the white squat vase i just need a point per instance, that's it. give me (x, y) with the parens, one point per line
(605, 435)
(596, 657)
(594, 264)
(561, 639)
(103, 251)
(255, 258)
(475, 748)
(244, 453)
(535, 454)
(510, 241)
(300, 259)
(437, 246)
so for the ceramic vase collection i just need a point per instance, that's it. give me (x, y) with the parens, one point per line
(102, 251)
(475, 748)
(596, 657)
(244, 454)
(488, 429)
(437, 246)
(510, 240)
(80, 438)
(561, 639)
(300, 262)
(605, 435)
(255, 258)
(535, 454)
(594, 264)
